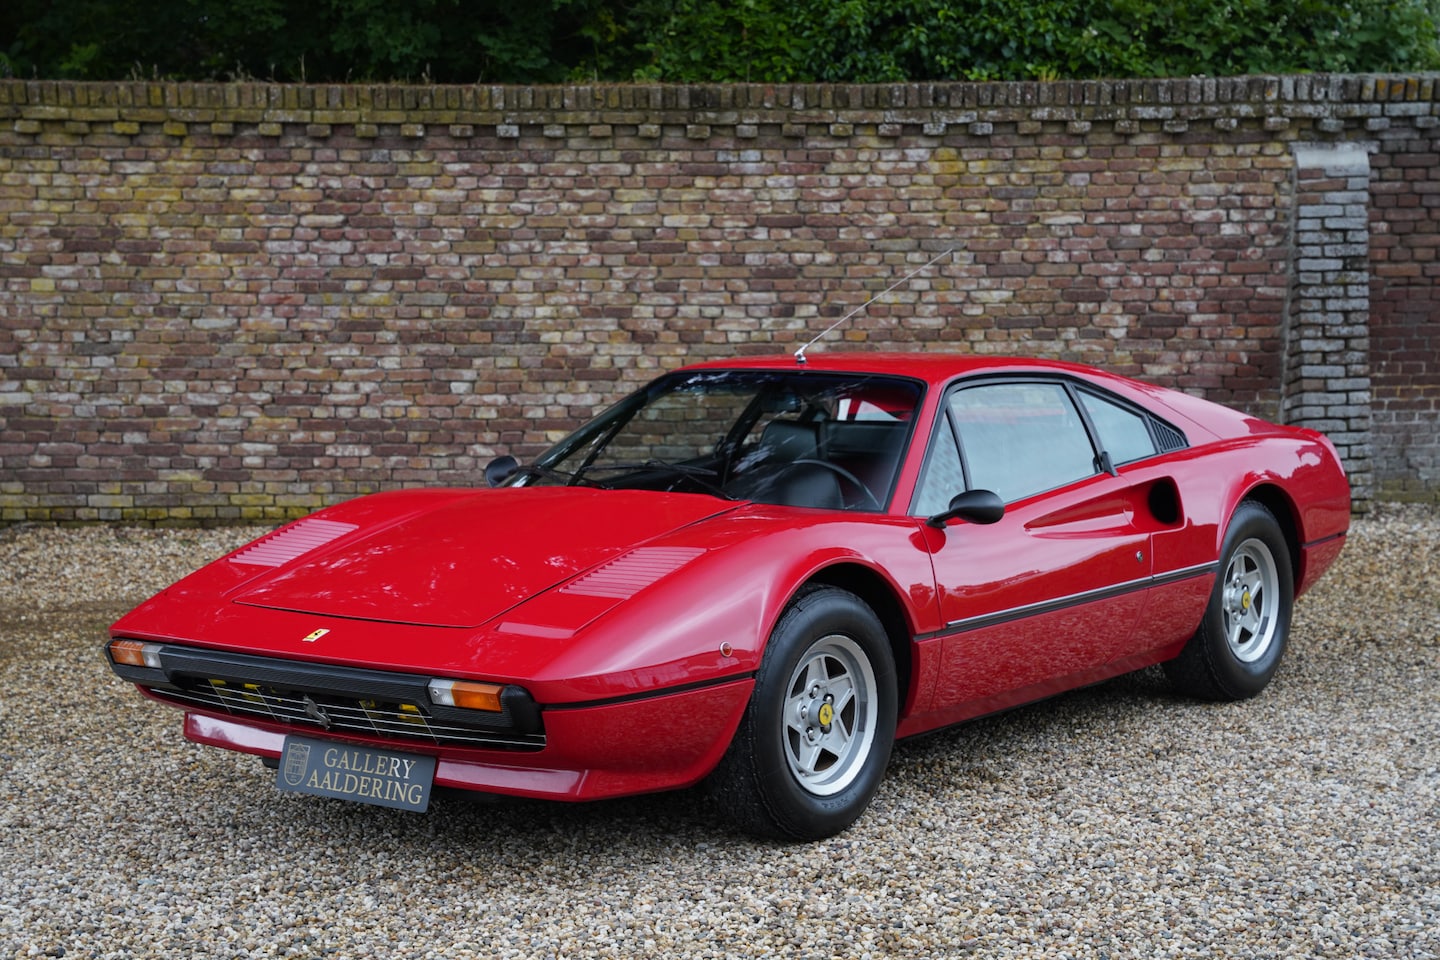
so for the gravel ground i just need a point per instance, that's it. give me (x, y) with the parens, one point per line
(1117, 821)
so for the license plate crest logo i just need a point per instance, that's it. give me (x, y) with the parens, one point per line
(297, 758)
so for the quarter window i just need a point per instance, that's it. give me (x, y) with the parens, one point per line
(1124, 433)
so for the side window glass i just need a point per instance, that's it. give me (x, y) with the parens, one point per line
(1123, 432)
(1021, 438)
(942, 478)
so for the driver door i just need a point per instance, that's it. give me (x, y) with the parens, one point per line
(1056, 587)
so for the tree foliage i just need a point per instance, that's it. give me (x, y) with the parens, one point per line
(691, 41)
(894, 40)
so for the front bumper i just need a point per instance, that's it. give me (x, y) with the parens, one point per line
(643, 745)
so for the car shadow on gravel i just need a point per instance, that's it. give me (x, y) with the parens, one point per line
(945, 765)
(1037, 744)
(970, 753)
(991, 748)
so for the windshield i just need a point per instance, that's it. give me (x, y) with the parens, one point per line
(831, 441)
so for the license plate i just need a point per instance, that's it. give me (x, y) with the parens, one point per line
(345, 771)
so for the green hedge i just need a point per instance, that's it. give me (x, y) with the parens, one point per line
(898, 40)
(551, 41)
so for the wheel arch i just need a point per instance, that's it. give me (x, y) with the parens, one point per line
(1238, 644)
(1278, 502)
(880, 597)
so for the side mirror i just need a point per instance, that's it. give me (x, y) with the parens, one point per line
(500, 469)
(975, 506)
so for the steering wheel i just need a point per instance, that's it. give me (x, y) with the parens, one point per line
(844, 474)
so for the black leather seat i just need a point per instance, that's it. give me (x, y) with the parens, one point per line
(809, 485)
(775, 476)
(786, 440)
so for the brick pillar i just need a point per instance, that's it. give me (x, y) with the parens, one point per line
(1327, 320)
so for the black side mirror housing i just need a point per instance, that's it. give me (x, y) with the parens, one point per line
(500, 469)
(974, 506)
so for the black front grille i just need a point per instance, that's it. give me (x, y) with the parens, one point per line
(395, 706)
(407, 721)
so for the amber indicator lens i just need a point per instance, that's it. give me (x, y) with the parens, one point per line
(467, 694)
(136, 654)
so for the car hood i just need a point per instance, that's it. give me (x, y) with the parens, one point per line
(460, 563)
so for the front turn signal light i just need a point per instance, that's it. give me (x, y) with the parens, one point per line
(467, 694)
(136, 654)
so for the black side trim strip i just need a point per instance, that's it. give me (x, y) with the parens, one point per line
(1185, 573)
(1045, 606)
(1074, 600)
(1334, 536)
(650, 694)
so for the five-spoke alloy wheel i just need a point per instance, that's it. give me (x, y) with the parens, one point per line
(1242, 636)
(816, 736)
(831, 712)
(1250, 602)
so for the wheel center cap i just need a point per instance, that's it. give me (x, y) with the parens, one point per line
(1244, 601)
(826, 715)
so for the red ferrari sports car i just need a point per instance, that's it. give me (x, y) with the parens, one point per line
(756, 573)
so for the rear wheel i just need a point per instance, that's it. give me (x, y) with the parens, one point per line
(816, 737)
(1243, 635)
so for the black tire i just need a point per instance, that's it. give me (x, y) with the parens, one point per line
(815, 739)
(1247, 622)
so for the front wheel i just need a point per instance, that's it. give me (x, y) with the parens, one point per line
(816, 737)
(1247, 623)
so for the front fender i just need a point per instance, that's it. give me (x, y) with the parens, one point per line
(710, 619)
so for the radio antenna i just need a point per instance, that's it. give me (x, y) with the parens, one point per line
(800, 353)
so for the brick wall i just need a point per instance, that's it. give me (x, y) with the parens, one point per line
(244, 301)
(1405, 304)
(1327, 342)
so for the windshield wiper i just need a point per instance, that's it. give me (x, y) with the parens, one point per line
(703, 477)
(559, 476)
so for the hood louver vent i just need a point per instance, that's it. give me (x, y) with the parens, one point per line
(292, 542)
(623, 578)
